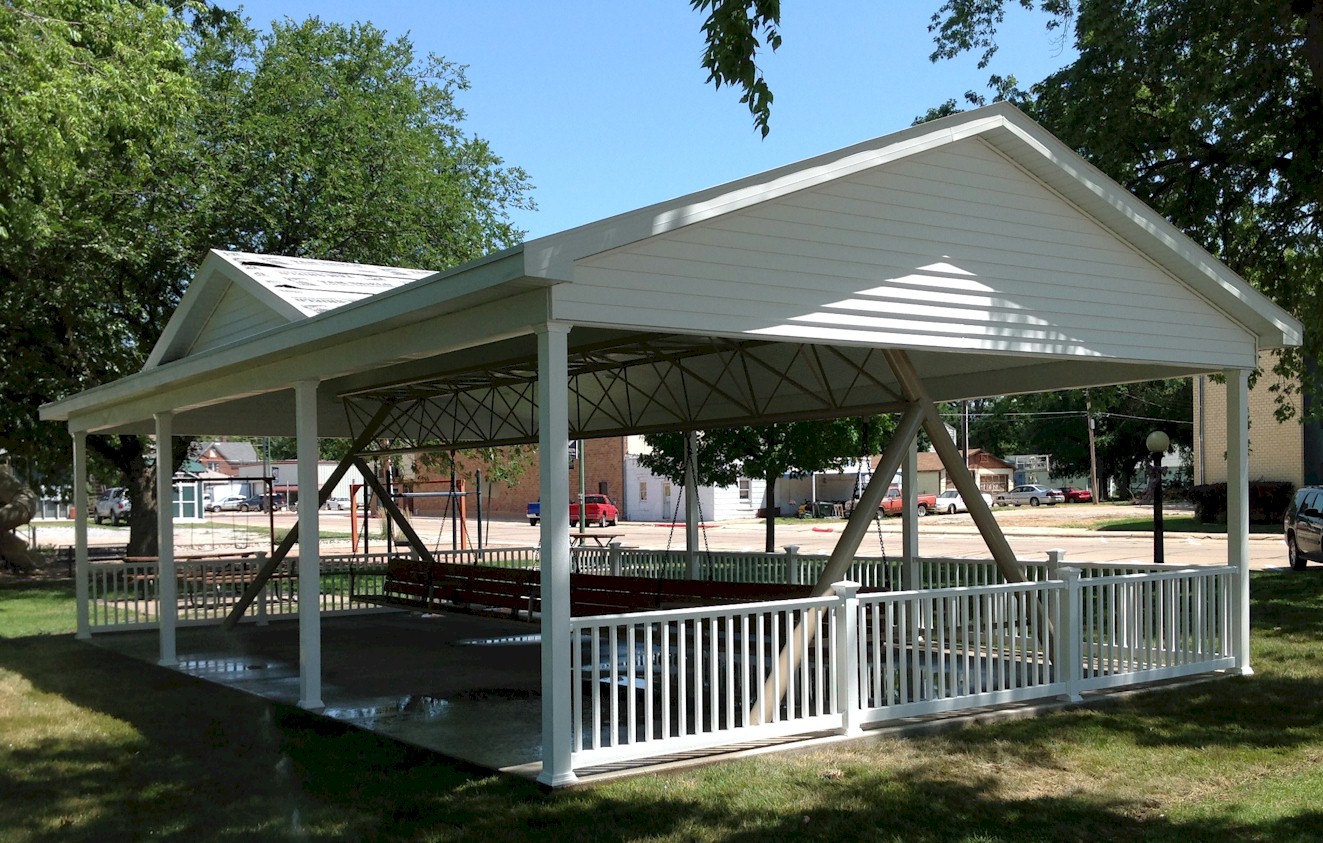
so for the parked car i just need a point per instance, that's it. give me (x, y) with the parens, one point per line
(1303, 527)
(337, 503)
(230, 503)
(600, 511)
(894, 503)
(1073, 495)
(1031, 494)
(113, 505)
(950, 502)
(261, 503)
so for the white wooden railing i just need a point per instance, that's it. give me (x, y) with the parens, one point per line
(124, 595)
(658, 683)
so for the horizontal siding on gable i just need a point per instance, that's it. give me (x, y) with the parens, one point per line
(956, 248)
(238, 315)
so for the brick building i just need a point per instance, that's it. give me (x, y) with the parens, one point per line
(604, 473)
(1290, 451)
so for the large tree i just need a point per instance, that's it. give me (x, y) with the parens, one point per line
(1057, 424)
(313, 140)
(767, 452)
(340, 143)
(1212, 112)
(95, 102)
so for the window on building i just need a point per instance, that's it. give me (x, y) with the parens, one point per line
(744, 488)
(643, 490)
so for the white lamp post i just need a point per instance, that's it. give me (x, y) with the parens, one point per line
(1157, 444)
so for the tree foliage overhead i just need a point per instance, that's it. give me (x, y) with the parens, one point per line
(732, 33)
(96, 99)
(1211, 112)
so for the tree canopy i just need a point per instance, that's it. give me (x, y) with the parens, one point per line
(130, 143)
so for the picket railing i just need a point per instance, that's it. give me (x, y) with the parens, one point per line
(659, 683)
(124, 595)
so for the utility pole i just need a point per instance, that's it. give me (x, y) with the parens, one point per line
(1093, 450)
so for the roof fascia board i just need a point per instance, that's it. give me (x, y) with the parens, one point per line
(1220, 286)
(163, 390)
(553, 256)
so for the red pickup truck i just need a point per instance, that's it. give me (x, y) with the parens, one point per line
(893, 502)
(599, 508)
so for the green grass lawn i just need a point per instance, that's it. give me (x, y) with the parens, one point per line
(99, 747)
(1170, 524)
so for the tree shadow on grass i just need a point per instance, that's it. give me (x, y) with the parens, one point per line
(159, 753)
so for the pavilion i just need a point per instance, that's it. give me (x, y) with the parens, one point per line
(971, 256)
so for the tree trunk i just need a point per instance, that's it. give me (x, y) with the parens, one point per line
(769, 507)
(128, 457)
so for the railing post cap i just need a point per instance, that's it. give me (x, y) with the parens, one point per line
(614, 543)
(792, 548)
(846, 588)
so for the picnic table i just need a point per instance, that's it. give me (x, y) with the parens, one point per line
(602, 539)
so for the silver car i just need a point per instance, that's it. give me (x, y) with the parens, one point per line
(1031, 494)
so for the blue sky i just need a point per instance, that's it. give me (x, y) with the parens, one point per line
(604, 103)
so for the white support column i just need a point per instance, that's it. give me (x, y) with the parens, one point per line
(309, 579)
(1238, 509)
(82, 569)
(909, 522)
(691, 525)
(553, 457)
(167, 582)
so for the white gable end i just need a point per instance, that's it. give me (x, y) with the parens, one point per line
(238, 316)
(955, 248)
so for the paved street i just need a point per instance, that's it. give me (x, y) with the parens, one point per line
(1030, 531)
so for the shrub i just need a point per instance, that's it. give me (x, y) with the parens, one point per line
(1268, 500)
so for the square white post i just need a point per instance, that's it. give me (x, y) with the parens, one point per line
(309, 579)
(691, 525)
(1238, 510)
(1068, 627)
(847, 656)
(167, 583)
(82, 568)
(554, 461)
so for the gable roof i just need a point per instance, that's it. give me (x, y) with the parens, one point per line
(1000, 129)
(234, 453)
(994, 257)
(236, 295)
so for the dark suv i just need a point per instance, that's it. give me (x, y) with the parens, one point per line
(1303, 527)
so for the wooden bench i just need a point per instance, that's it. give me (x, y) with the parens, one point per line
(95, 553)
(592, 594)
(414, 584)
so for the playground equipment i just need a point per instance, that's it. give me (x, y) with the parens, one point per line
(18, 506)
